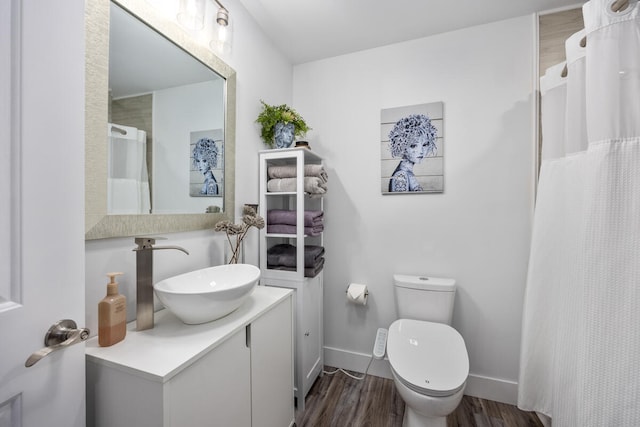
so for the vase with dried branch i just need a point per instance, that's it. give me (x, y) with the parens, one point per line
(237, 232)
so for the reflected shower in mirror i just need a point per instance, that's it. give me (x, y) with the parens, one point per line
(128, 179)
(170, 102)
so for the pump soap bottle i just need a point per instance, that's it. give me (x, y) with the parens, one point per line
(112, 315)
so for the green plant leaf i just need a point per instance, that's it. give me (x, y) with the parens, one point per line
(272, 114)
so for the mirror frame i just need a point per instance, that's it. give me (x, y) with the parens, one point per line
(99, 225)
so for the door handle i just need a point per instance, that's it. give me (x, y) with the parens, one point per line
(60, 335)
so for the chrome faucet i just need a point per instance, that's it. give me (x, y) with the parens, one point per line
(144, 279)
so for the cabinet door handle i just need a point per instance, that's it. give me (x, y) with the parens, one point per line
(60, 335)
(248, 336)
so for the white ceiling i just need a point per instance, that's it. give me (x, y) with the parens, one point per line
(307, 30)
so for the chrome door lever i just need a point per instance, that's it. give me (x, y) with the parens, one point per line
(60, 335)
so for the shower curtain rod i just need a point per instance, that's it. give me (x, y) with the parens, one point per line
(619, 5)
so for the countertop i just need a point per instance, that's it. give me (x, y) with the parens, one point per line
(160, 353)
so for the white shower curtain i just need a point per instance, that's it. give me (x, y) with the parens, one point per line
(580, 355)
(128, 180)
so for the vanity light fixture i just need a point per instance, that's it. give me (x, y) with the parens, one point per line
(221, 41)
(222, 17)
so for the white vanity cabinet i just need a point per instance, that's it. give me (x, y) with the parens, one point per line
(236, 371)
(309, 342)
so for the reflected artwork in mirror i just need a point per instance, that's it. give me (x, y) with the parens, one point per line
(160, 125)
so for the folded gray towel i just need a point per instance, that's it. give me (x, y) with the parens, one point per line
(312, 185)
(308, 271)
(290, 171)
(282, 216)
(285, 255)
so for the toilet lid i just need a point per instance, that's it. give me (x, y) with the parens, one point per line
(428, 357)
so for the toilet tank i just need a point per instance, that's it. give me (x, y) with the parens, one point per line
(424, 298)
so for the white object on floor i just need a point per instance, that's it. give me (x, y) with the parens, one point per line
(380, 346)
(428, 358)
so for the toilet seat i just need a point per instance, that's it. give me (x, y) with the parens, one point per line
(429, 358)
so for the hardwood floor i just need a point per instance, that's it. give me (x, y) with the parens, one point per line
(340, 401)
(487, 413)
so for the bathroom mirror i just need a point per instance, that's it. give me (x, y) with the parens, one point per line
(182, 116)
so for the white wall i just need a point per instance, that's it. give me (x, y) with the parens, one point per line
(262, 73)
(477, 231)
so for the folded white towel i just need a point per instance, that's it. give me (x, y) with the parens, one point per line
(312, 185)
(290, 171)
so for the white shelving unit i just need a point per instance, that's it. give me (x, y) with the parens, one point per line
(308, 306)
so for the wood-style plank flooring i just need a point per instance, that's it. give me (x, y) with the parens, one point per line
(340, 401)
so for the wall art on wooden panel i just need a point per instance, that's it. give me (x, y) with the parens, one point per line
(412, 149)
(207, 163)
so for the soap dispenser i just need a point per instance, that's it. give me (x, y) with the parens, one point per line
(112, 314)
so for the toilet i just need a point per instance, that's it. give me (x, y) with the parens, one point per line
(428, 358)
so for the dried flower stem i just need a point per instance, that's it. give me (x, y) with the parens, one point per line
(236, 249)
(249, 219)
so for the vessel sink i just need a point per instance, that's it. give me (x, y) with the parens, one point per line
(208, 294)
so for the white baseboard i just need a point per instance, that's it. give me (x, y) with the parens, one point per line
(495, 389)
(357, 362)
(545, 420)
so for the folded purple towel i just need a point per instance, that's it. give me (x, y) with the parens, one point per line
(281, 216)
(285, 255)
(291, 229)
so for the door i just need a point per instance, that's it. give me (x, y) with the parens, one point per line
(215, 390)
(272, 367)
(312, 326)
(41, 208)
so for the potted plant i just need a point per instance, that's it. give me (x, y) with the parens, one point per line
(281, 124)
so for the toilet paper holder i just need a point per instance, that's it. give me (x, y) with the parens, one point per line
(366, 292)
(357, 293)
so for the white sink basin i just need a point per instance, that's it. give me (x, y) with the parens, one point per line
(211, 293)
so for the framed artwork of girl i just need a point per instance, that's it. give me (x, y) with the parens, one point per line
(207, 163)
(411, 149)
